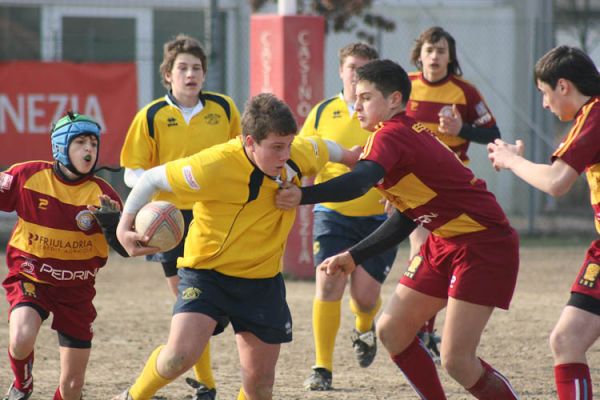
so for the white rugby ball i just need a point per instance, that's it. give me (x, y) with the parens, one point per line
(162, 222)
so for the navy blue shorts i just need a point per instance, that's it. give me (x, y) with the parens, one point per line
(334, 233)
(252, 305)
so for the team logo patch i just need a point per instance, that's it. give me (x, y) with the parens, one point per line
(188, 175)
(590, 275)
(171, 121)
(316, 247)
(212, 119)
(191, 293)
(28, 289)
(85, 220)
(414, 105)
(5, 181)
(336, 114)
(413, 267)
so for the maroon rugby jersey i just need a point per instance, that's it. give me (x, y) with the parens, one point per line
(581, 150)
(56, 240)
(427, 182)
(427, 99)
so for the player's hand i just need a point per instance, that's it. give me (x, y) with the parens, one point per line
(503, 154)
(288, 196)
(351, 157)
(342, 262)
(450, 121)
(107, 206)
(132, 241)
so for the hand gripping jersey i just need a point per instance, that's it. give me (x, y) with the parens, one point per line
(331, 120)
(427, 182)
(428, 99)
(56, 240)
(237, 230)
(581, 150)
(159, 133)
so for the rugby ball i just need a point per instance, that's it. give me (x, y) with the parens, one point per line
(162, 222)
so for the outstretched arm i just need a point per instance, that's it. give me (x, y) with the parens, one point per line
(341, 188)
(555, 179)
(393, 231)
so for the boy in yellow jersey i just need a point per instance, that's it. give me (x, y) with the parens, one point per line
(55, 252)
(179, 124)
(231, 266)
(338, 226)
(453, 109)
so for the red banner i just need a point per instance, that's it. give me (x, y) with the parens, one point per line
(35, 94)
(286, 59)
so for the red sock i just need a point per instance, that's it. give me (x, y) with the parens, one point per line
(419, 369)
(573, 382)
(57, 395)
(492, 385)
(22, 371)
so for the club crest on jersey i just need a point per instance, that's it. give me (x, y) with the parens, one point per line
(28, 289)
(191, 293)
(212, 119)
(85, 220)
(336, 114)
(5, 181)
(590, 275)
(413, 267)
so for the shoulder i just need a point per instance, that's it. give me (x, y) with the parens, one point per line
(29, 167)
(220, 99)
(466, 86)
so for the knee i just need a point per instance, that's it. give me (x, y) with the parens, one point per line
(174, 363)
(71, 386)
(258, 386)
(455, 364)
(385, 334)
(559, 342)
(21, 344)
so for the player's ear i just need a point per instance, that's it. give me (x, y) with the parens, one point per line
(396, 99)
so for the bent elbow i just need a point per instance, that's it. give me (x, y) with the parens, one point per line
(558, 189)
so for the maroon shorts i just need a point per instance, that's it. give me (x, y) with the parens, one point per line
(71, 307)
(481, 270)
(587, 282)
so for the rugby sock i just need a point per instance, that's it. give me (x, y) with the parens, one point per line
(57, 395)
(202, 369)
(364, 320)
(492, 385)
(419, 369)
(149, 380)
(22, 371)
(326, 323)
(242, 395)
(573, 381)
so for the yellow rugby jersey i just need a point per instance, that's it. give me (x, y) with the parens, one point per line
(331, 120)
(237, 230)
(159, 134)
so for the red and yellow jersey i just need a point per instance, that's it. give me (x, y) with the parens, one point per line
(428, 99)
(159, 134)
(56, 239)
(237, 230)
(581, 150)
(428, 183)
(332, 120)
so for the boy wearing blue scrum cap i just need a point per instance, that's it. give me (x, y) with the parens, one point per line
(55, 252)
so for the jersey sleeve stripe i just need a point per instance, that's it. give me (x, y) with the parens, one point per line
(151, 113)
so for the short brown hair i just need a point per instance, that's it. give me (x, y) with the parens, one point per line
(358, 49)
(182, 44)
(434, 35)
(264, 114)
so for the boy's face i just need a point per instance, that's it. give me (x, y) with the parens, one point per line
(371, 107)
(348, 75)
(186, 79)
(435, 58)
(83, 152)
(271, 154)
(555, 100)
